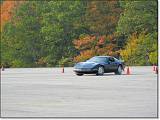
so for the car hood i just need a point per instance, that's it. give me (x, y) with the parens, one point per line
(86, 65)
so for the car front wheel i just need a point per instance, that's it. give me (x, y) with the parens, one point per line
(100, 70)
(119, 70)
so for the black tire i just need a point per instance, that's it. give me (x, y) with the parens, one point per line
(100, 70)
(79, 74)
(119, 70)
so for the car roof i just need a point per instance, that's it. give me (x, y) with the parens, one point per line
(102, 56)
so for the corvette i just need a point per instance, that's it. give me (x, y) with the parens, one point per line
(99, 65)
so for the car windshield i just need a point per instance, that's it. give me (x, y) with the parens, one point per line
(97, 59)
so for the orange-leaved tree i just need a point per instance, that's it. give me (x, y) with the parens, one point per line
(7, 8)
(86, 45)
(91, 45)
(100, 19)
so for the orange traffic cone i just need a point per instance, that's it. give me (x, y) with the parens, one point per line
(154, 67)
(128, 71)
(63, 70)
(156, 70)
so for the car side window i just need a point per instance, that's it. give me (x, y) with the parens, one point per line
(111, 59)
(107, 60)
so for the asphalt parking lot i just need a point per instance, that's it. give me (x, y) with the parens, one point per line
(47, 92)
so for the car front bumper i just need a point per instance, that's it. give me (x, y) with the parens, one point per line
(85, 70)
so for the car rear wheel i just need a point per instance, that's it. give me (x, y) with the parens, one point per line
(100, 70)
(119, 70)
(79, 74)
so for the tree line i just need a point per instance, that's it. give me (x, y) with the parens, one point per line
(61, 33)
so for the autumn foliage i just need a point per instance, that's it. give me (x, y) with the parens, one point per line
(101, 19)
(7, 8)
(90, 45)
(51, 33)
(103, 16)
(140, 49)
(130, 48)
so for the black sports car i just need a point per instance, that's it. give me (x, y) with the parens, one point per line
(99, 65)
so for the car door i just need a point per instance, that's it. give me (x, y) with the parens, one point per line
(107, 65)
(113, 64)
